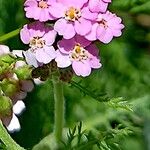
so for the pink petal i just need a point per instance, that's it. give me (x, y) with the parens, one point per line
(49, 37)
(62, 60)
(92, 36)
(45, 55)
(95, 63)
(92, 49)
(82, 41)
(83, 26)
(66, 45)
(44, 15)
(87, 14)
(50, 51)
(105, 36)
(57, 10)
(30, 3)
(25, 35)
(81, 68)
(64, 28)
(98, 5)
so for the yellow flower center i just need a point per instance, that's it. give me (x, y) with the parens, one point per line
(43, 4)
(79, 53)
(72, 14)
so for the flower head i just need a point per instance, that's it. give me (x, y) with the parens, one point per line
(40, 39)
(78, 52)
(39, 9)
(107, 26)
(73, 17)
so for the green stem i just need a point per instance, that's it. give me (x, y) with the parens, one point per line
(59, 108)
(9, 35)
(7, 140)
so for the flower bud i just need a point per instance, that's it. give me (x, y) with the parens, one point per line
(9, 87)
(5, 106)
(23, 73)
(7, 59)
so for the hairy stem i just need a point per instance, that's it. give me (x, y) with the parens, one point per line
(9, 35)
(7, 140)
(59, 108)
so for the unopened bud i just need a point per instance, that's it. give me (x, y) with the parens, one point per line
(5, 106)
(9, 87)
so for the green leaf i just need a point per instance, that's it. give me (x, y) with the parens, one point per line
(145, 8)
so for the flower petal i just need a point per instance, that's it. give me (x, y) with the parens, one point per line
(81, 68)
(66, 45)
(30, 58)
(62, 60)
(83, 26)
(64, 28)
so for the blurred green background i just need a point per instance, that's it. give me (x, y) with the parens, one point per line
(125, 73)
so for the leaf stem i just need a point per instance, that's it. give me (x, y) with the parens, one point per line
(9, 35)
(7, 140)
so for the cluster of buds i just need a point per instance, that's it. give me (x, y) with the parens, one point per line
(64, 31)
(14, 84)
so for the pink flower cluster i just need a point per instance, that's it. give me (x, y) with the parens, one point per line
(78, 23)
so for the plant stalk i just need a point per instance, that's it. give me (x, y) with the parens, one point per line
(59, 109)
(7, 140)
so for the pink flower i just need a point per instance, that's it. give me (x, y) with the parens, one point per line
(40, 39)
(106, 27)
(39, 9)
(75, 17)
(98, 5)
(78, 52)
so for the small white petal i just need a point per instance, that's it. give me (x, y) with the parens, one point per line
(38, 81)
(14, 125)
(19, 107)
(18, 53)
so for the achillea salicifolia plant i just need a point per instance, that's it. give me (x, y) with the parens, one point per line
(61, 42)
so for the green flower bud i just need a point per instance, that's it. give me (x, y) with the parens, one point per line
(5, 106)
(9, 87)
(7, 59)
(23, 73)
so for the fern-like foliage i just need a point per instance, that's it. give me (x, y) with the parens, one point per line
(78, 139)
(111, 102)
